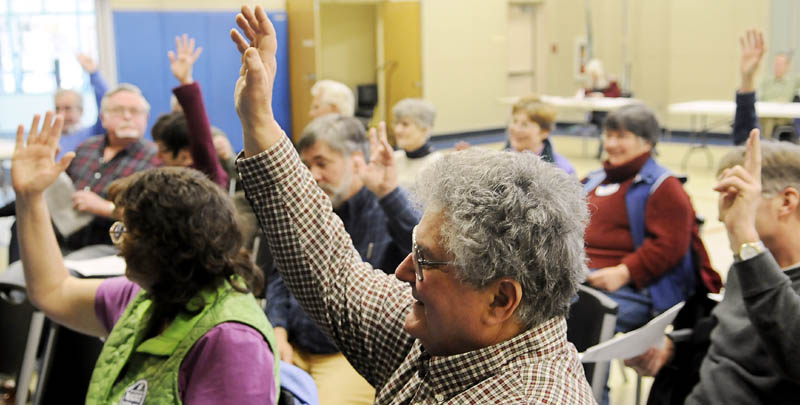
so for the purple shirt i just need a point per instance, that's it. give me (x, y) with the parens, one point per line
(231, 363)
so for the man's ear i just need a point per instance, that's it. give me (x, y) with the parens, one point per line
(790, 200)
(506, 297)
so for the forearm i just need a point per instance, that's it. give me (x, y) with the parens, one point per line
(773, 307)
(100, 88)
(63, 298)
(746, 118)
(201, 143)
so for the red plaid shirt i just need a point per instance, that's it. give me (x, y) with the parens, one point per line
(363, 310)
(89, 172)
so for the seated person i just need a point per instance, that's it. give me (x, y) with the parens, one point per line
(101, 159)
(597, 82)
(413, 120)
(753, 354)
(642, 240)
(475, 313)
(184, 137)
(183, 327)
(782, 87)
(69, 103)
(379, 219)
(531, 123)
(331, 97)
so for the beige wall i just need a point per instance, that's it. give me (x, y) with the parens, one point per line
(192, 4)
(678, 50)
(464, 63)
(348, 44)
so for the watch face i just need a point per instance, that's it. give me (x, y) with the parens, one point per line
(750, 250)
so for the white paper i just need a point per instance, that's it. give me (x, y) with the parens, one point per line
(58, 198)
(106, 266)
(635, 342)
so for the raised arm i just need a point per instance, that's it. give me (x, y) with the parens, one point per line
(772, 305)
(746, 119)
(201, 143)
(65, 299)
(361, 309)
(99, 86)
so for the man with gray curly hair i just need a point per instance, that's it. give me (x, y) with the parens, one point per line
(476, 312)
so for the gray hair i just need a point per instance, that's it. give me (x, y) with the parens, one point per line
(511, 215)
(422, 112)
(780, 165)
(636, 118)
(78, 96)
(336, 94)
(345, 135)
(120, 88)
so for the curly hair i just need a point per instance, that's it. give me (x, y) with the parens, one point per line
(182, 236)
(511, 215)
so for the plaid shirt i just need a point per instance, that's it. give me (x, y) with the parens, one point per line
(89, 172)
(363, 310)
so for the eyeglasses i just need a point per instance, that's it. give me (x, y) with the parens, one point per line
(117, 231)
(419, 261)
(120, 111)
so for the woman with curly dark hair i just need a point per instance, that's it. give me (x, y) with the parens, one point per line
(184, 325)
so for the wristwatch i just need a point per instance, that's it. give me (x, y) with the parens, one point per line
(749, 250)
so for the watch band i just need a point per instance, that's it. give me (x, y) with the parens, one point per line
(750, 250)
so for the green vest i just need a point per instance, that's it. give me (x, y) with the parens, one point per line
(151, 366)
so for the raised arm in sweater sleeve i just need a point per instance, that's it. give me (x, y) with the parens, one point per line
(100, 88)
(669, 219)
(773, 306)
(201, 142)
(745, 119)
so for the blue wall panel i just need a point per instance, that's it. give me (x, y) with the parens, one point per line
(144, 38)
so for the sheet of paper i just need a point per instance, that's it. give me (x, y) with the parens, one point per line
(58, 198)
(635, 342)
(106, 266)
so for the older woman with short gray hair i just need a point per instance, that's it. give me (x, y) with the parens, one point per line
(413, 121)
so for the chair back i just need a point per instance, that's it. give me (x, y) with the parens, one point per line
(591, 321)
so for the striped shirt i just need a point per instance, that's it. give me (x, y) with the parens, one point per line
(363, 310)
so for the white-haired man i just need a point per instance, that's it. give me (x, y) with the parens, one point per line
(476, 311)
(331, 97)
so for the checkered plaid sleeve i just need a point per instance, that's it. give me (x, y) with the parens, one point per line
(361, 309)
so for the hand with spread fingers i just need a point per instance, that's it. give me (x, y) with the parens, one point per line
(87, 63)
(752, 52)
(740, 192)
(182, 59)
(253, 93)
(380, 175)
(33, 165)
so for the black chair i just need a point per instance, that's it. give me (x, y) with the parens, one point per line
(367, 98)
(591, 321)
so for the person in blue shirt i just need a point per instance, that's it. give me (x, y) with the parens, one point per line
(69, 104)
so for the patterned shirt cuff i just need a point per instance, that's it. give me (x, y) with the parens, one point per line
(272, 166)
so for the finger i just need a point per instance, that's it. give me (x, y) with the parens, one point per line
(255, 68)
(178, 44)
(752, 155)
(46, 125)
(52, 136)
(264, 24)
(34, 132)
(65, 161)
(373, 143)
(731, 185)
(251, 19)
(247, 29)
(740, 172)
(240, 42)
(171, 56)
(20, 137)
(197, 53)
(386, 146)
(190, 48)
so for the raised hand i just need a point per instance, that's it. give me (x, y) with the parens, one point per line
(253, 93)
(380, 175)
(740, 191)
(182, 60)
(87, 63)
(33, 165)
(752, 51)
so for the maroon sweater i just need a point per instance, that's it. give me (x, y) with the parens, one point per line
(669, 224)
(201, 143)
